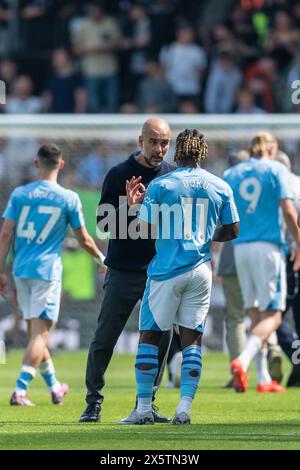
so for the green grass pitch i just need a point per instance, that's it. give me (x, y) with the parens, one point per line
(221, 419)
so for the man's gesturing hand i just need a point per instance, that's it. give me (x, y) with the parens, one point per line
(135, 191)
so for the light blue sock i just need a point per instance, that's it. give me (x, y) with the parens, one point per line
(25, 377)
(190, 371)
(147, 355)
(48, 373)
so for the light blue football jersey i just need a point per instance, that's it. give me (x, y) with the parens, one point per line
(185, 205)
(42, 212)
(258, 184)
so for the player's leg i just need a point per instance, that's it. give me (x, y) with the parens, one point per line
(39, 330)
(247, 272)
(190, 373)
(261, 362)
(270, 321)
(46, 367)
(190, 318)
(146, 368)
(267, 269)
(47, 370)
(234, 318)
(49, 295)
(39, 301)
(157, 313)
(24, 297)
(122, 291)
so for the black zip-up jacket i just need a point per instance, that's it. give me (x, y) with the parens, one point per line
(127, 254)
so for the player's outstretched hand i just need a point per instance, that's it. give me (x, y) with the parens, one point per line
(3, 283)
(135, 191)
(295, 258)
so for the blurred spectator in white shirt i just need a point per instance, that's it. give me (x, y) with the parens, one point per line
(184, 62)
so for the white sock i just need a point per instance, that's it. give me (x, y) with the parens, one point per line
(56, 387)
(144, 405)
(253, 345)
(184, 405)
(262, 367)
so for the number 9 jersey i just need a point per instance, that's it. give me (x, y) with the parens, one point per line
(42, 212)
(258, 185)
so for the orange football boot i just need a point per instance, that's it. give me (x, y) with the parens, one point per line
(272, 387)
(240, 377)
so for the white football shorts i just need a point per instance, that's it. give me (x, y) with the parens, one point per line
(261, 271)
(38, 298)
(182, 301)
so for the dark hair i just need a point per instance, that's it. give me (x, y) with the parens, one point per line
(49, 156)
(191, 146)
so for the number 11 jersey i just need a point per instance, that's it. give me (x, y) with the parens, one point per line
(185, 206)
(42, 212)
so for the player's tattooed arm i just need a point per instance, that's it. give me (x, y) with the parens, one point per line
(227, 232)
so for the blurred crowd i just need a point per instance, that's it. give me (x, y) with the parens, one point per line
(158, 56)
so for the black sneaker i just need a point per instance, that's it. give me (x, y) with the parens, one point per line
(275, 367)
(294, 377)
(91, 414)
(157, 417)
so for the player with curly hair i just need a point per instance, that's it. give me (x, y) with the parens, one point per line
(179, 277)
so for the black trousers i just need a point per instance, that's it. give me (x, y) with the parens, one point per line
(122, 290)
(293, 299)
(285, 332)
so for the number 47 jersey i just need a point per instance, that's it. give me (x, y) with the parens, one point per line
(258, 185)
(42, 212)
(185, 206)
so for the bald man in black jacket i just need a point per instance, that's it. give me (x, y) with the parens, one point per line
(127, 261)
